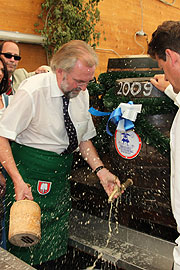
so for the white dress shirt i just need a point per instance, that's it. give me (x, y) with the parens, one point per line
(171, 94)
(175, 181)
(35, 116)
(175, 170)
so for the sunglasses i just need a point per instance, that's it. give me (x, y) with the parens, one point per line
(9, 56)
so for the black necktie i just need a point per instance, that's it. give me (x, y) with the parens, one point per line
(71, 131)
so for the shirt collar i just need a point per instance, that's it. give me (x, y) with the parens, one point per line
(55, 90)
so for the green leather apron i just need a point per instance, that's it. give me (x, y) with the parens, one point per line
(47, 173)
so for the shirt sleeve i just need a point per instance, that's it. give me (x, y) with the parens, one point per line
(170, 93)
(17, 115)
(177, 100)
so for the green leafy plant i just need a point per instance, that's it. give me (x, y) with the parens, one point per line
(65, 20)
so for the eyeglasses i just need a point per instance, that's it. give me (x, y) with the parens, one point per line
(79, 83)
(9, 56)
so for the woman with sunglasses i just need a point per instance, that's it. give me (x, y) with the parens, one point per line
(4, 86)
(3, 89)
(3, 77)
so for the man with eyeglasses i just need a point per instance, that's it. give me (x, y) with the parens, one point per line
(10, 53)
(52, 122)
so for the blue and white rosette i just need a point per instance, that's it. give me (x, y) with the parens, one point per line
(127, 142)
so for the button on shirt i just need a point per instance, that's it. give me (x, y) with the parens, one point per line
(35, 115)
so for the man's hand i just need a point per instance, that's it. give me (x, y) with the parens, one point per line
(23, 191)
(160, 82)
(108, 181)
(41, 70)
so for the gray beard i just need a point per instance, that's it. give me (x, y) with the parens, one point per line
(71, 93)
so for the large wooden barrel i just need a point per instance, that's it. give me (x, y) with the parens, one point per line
(150, 170)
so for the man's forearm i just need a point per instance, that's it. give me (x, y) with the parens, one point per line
(7, 160)
(90, 154)
(107, 179)
(22, 191)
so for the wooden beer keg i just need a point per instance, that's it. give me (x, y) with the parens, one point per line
(150, 170)
(25, 223)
